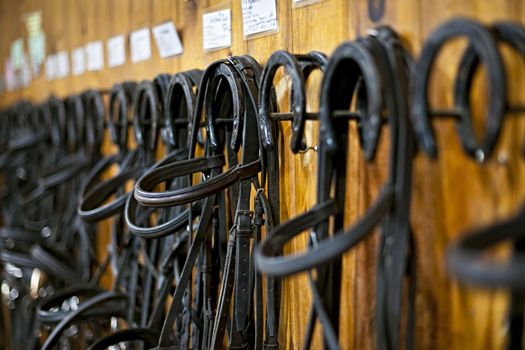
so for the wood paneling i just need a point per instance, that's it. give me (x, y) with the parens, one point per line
(450, 195)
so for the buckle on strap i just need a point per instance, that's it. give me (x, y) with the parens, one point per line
(244, 223)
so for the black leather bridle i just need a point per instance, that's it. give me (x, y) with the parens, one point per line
(228, 88)
(374, 69)
(267, 206)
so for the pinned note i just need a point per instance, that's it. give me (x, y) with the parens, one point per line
(78, 61)
(94, 56)
(17, 53)
(216, 29)
(258, 16)
(62, 64)
(140, 45)
(37, 50)
(116, 51)
(51, 71)
(36, 39)
(167, 40)
(9, 77)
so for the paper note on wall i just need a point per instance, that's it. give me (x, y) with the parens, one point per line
(25, 72)
(140, 44)
(62, 64)
(51, 67)
(36, 39)
(17, 53)
(258, 16)
(167, 40)
(94, 56)
(37, 50)
(116, 51)
(78, 61)
(9, 75)
(216, 29)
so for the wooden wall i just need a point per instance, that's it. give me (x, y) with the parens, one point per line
(450, 194)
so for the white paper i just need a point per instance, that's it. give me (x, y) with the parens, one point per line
(62, 64)
(77, 61)
(10, 78)
(17, 52)
(33, 22)
(51, 67)
(25, 72)
(140, 43)
(37, 50)
(258, 16)
(116, 51)
(216, 29)
(94, 56)
(167, 40)
(36, 39)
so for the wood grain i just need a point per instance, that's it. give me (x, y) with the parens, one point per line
(450, 195)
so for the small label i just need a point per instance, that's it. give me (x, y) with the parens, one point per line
(37, 50)
(116, 51)
(25, 71)
(62, 65)
(94, 56)
(216, 29)
(167, 39)
(140, 45)
(33, 22)
(51, 71)
(78, 61)
(36, 39)
(258, 16)
(10, 78)
(17, 53)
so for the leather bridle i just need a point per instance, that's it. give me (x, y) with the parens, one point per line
(374, 69)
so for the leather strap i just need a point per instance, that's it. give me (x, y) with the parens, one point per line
(193, 193)
(298, 67)
(146, 335)
(100, 299)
